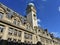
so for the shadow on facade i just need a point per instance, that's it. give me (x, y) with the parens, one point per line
(5, 42)
(39, 43)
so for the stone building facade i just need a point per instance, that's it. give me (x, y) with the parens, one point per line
(17, 28)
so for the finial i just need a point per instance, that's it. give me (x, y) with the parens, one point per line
(31, 4)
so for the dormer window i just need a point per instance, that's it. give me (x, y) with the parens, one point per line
(8, 9)
(18, 23)
(1, 15)
(9, 15)
(15, 21)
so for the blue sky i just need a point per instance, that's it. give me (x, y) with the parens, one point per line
(48, 12)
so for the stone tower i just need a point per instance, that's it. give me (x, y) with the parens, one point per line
(31, 15)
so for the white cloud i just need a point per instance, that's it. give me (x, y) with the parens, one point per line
(38, 20)
(59, 8)
(56, 34)
(39, 25)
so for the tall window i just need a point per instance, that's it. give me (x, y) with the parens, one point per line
(18, 23)
(0, 38)
(19, 33)
(15, 21)
(10, 31)
(15, 32)
(1, 15)
(1, 28)
(30, 36)
(26, 35)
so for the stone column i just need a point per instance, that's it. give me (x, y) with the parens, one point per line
(22, 38)
(34, 39)
(5, 33)
(52, 43)
(39, 38)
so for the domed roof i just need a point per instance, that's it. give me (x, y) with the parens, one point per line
(31, 4)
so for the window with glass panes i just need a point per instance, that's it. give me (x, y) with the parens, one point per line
(15, 21)
(1, 15)
(26, 36)
(18, 23)
(30, 36)
(15, 32)
(19, 33)
(9, 15)
(1, 28)
(10, 32)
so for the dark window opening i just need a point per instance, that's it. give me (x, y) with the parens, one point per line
(14, 40)
(15, 32)
(9, 39)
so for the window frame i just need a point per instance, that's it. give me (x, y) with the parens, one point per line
(9, 16)
(15, 32)
(10, 32)
(1, 28)
(19, 33)
(1, 15)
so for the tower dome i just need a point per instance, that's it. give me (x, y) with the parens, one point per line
(31, 4)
